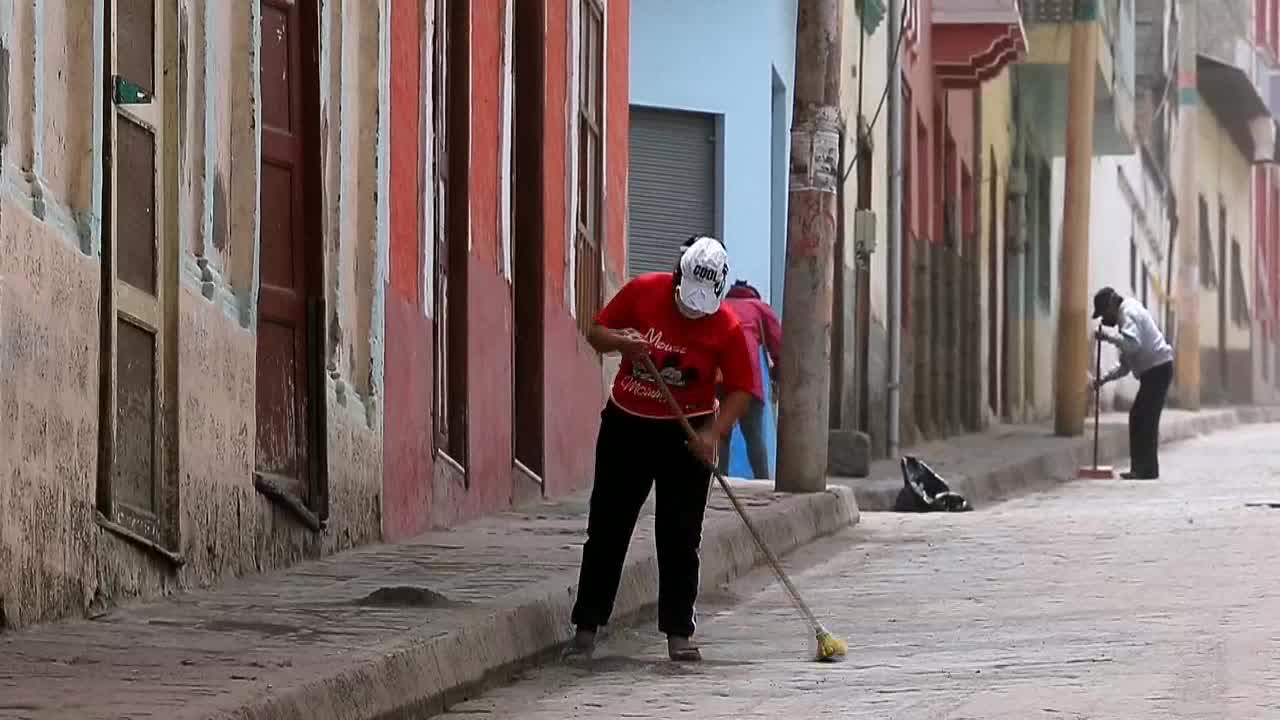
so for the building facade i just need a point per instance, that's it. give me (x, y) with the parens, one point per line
(711, 104)
(710, 122)
(508, 206)
(1224, 222)
(954, 51)
(1266, 199)
(267, 273)
(1041, 91)
(194, 238)
(1232, 194)
(1133, 207)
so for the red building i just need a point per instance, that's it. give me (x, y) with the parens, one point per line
(950, 47)
(508, 196)
(1266, 225)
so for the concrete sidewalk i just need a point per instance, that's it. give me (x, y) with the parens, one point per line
(1011, 460)
(401, 631)
(392, 631)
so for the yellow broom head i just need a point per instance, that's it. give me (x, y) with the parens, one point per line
(831, 648)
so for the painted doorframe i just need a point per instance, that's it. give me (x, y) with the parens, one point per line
(152, 105)
(528, 239)
(307, 496)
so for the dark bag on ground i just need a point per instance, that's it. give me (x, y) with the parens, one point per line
(926, 491)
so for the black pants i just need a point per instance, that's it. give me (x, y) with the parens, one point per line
(631, 454)
(752, 425)
(1144, 420)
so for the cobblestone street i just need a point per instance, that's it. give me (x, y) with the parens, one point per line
(1098, 600)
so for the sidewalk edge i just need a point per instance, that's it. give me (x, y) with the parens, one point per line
(1058, 466)
(430, 674)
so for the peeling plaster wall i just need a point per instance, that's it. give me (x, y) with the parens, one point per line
(55, 561)
(68, 66)
(48, 419)
(874, 73)
(1224, 176)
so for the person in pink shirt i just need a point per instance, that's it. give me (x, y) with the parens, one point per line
(761, 326)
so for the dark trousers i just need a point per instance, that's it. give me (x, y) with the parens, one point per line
(752, 425)
(1144, 420)
(633, 453)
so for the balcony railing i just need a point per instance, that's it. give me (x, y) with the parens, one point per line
(1036, 12)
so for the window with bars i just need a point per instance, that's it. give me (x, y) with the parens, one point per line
(588, 226)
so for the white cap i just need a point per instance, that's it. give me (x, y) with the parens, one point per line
(704, 275)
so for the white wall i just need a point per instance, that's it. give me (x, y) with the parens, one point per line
(1116, 216)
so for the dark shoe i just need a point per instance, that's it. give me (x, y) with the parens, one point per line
(1131, 475)
(582, 646)
(680, 649)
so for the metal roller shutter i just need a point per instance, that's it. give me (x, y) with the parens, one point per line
(671, 187)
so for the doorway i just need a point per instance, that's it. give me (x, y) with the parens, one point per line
(1224, 278)
(994, 303)
(137, 486)
(527, 237)
(289, 400)
(671, 187)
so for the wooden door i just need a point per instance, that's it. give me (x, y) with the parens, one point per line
(135, 487)
(291, 251)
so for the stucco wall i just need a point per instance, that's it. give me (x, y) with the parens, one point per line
(718, 57)
(1223, 177)
(1115, 219)
(1224, 174)
(54, 559)
(869, 81)
(431, 492)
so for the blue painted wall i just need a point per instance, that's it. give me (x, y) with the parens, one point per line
(739, 464)
(721, 57)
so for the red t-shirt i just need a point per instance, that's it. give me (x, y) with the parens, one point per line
(686, 352)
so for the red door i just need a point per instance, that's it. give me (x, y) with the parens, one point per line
(290, 250)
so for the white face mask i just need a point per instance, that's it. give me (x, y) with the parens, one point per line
(685, 310)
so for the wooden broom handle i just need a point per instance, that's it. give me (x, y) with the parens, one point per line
(672, 403)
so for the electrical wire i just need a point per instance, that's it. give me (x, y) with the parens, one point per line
(893, 63)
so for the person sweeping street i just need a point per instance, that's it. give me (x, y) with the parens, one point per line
(762, 328)
(1144, 352)
(678, 320)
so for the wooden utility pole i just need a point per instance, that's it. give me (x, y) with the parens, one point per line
(1186, 339)
(1074, 307)
(804, 402)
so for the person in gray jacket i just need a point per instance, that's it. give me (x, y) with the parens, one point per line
(1127, 325)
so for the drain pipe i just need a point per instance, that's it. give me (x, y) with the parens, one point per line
(895, 230)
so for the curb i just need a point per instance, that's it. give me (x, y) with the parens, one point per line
(1046, 470)
(427, 674)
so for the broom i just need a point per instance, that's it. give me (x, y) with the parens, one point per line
(1097, 472)
(830, 648)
